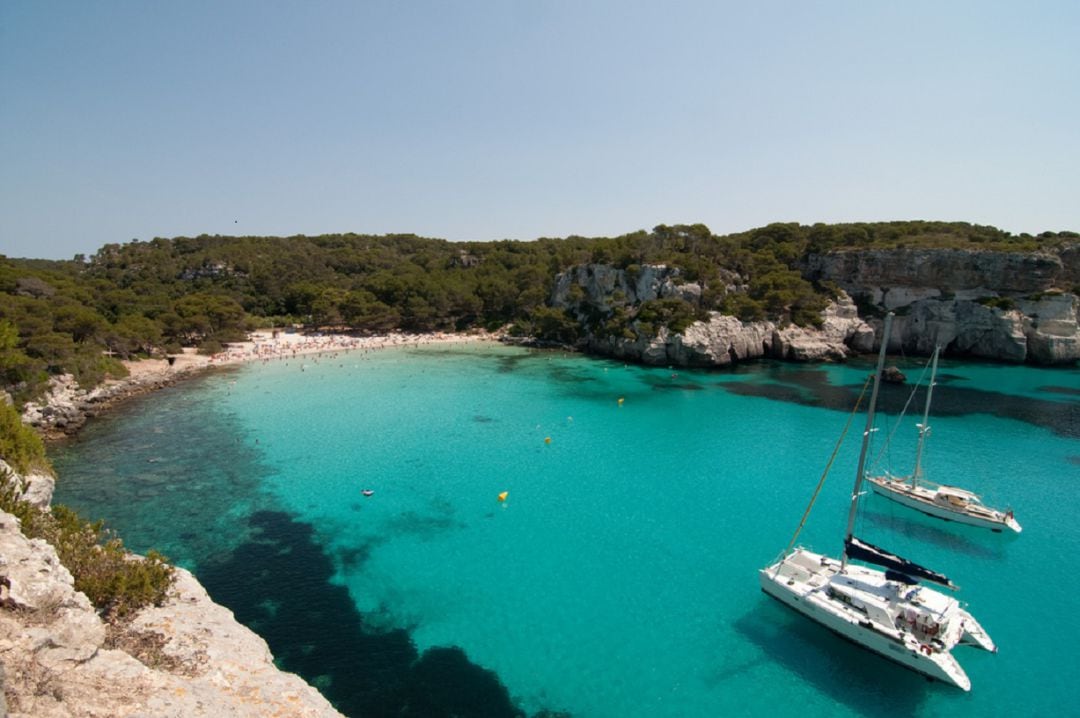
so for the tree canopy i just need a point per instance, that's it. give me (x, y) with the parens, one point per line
(136, 299)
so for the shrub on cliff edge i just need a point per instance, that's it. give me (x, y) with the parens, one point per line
(20, 445)
(117, 582)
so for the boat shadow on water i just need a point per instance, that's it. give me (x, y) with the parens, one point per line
(850, 674)
(943, 534)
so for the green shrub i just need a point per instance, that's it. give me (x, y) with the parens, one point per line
(20, 445)
(807, 314)
(11, 491)
(1002, 303)
(743, 307)
(1057, 292)
(555, 325)
(210, 346)
(675, 314)
(117, 582)
(91, 368)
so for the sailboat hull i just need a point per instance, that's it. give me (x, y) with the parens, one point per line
(922, 499)
(800, 581)
(888, 612)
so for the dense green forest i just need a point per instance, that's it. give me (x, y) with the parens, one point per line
(151, 298)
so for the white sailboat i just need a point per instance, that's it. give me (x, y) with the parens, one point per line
(944, 502)
(887, 612)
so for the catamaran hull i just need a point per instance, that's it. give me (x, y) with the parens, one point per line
(929, 508)
(938, 666)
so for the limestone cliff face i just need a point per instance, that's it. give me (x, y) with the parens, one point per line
(187, 658)
(719, 341)
(606, 287)
(946, 270)
(1005, 306)
(35, 488)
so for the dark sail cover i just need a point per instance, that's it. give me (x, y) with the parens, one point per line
(862, 551)
(901, 577)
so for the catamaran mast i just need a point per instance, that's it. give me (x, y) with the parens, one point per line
(924, 427)
(866, 438)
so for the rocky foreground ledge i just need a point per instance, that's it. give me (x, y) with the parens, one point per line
(188, 657)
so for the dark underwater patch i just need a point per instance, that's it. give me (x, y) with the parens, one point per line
(573, 374)
(353, 557)
(1067, 390)
(122, 475)
(509, 363)
(1062, 418)
(279, 583)
(426, 527)
(659, 384)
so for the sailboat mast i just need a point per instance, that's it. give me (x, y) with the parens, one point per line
(886, 330)
(924, 427)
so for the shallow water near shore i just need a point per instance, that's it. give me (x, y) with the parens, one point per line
(618, 578)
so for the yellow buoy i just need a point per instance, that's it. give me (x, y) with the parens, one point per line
(503, 495)
(547, 439)
(620, 401)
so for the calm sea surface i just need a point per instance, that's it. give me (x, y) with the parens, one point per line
(618, 578)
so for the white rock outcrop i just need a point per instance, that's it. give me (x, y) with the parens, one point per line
(602, 283)
(1005, 306)
(1051, 324)
(59, 660)
(723, 340)
(36, 487)
(718, 341)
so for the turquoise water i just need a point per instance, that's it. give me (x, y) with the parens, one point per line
(619, 576)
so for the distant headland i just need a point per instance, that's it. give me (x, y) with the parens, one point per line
(675, 295)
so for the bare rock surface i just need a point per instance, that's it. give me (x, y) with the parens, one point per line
(189, 657)
(36, 487)
(1003, 306)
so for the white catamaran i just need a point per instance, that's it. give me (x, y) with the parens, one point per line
(944, 502)
(887, 612)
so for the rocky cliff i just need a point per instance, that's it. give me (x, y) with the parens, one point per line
(718, 341)
(972, 272)
(1005, 306)
(187, 658)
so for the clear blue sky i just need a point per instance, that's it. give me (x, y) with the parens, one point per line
(501, 119)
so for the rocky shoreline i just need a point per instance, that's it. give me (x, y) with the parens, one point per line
(66, 408)
(188, 657)
(1004, 308)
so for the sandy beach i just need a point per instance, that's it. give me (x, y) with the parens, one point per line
(268, 346)
(66, 407)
